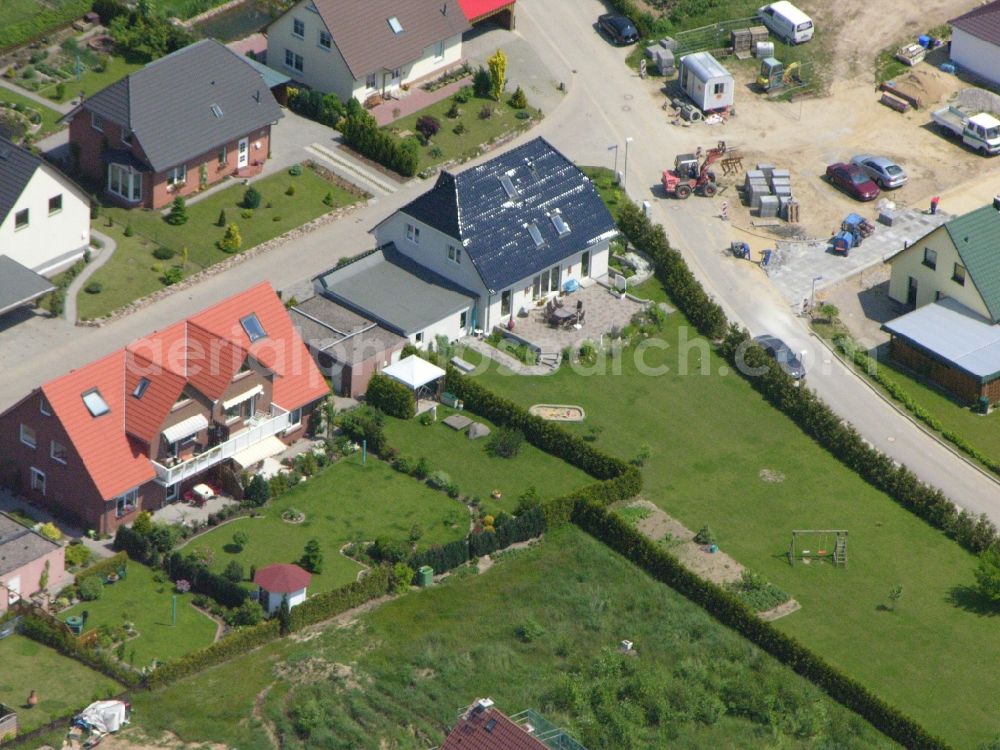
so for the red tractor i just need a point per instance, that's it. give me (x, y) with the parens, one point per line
(689, 176)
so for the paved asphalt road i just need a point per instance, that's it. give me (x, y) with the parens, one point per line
(604, 104)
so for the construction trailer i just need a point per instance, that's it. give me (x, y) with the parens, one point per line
(703, 79)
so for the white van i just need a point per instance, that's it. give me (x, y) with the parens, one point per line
(787, 22)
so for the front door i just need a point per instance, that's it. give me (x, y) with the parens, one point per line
(585, 263)
(911, 292)
(244, 153)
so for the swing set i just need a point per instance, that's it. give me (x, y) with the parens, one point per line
(831, 545)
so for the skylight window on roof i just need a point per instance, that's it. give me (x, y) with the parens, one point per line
(508, 186)
(141, 387)
(95, 403)
(217, 111)
(395, 25)
(251, 325)
(562, 228)
(536, 234)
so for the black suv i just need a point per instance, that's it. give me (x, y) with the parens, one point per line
(619, 28)
(783, 355)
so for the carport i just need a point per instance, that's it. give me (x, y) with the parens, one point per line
(479, 11)
(20, 285)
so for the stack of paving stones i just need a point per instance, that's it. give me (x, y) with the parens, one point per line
(768, 191)
(662, 55)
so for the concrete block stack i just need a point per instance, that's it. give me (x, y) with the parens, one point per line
(768, 191)
(662, 55)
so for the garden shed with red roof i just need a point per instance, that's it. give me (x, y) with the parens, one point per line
(281, 580)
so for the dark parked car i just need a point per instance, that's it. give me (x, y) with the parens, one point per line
(619, 28)
(783, 355)
(852, 180)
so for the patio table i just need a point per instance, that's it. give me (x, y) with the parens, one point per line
(562, 316)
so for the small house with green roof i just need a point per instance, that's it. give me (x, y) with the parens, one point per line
(951, 277)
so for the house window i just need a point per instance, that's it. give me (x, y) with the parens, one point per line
(222, 155)
(395, 25)
(930, 258)
(252, 327)
(585, 263)
(298, 28)
(95, 403)
(173, 492)
(126, 503)
(177, 175)
(561, 227)
(43, 406)
(325, 40)
(28, 436)
(454, 254)
(554, 279)
(295, 417)
(55, 204)
(413, 234)
(719, 88)
(21, 219)
(97, 122)
(505, 303)
(419, 338)
(293, 61)
(141, 387)
(124, 182)
(37, 481)
(371, 81)
(958, 274)
(463, 319)
(58, 452)
(397, 73)
(126, 136)
(242, 410)
(439, 51)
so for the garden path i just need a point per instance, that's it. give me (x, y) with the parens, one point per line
(100, 257)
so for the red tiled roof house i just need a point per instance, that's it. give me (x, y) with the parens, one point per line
(135, 429)
(182, 122)
(484, 727)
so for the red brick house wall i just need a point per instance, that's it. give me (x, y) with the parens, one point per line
(156, 193)
(959, 384)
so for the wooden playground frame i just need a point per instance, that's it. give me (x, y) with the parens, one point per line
(838, 555)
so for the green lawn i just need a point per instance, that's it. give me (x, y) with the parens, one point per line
(475, 471)
(49, 116)
(141, 600)
(133, 272)
(63, 684)
(711, 436)
(348, 502)
(604, 181)
(447, 145)
(185, 9)
(91, 81)
(537, 631)
(23, 20)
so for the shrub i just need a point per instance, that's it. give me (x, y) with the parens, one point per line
(498, 73)
(90, 588)
(459, 129)
(464, 94)
(173, 275)
(312, 557)
(248, 614)
(486, 112)
(233, 571)
(247, 213)
(365, 423)
(290, 190)
(391, 396)
(518, 100)
(428, 126)
(328, 199)
(129, 231)
(231, 241)
(240, 539)
(482, 82)
(50, 531)
(60, 91)
(505, 442)
(77, 555)
(402, 576)
(251, 198)
(363, 134)
(426, 419)
(704, 535)
(295, 170)
(453, 110)
(529, 631)
(94, 287)
(439, 480)
(221, 221)
(178, 212)
(163, 253)
(257, 492)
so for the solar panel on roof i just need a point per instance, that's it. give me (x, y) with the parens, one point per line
(95, 403)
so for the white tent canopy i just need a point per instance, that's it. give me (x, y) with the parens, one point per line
(414, 372)
(105, 716)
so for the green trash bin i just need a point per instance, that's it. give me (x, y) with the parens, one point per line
(425, 576)
(984, 405)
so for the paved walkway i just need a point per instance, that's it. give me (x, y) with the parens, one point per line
(183, 514)
(514, 365)
(100, 548)
(97, 259)
(414, 100)
(63, 109)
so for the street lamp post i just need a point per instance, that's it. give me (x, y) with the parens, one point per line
(812, 294)
(625, 177)
(614, 147)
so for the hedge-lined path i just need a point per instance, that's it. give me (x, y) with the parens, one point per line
(352, 169)
(98, 259)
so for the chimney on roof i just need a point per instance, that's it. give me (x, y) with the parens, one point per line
(481, 705)
(256, 96)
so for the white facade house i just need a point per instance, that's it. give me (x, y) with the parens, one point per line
(976, 54)
(44, 216)
(357, 48)
(709, 85)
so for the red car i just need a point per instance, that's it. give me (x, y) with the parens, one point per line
(852, 180)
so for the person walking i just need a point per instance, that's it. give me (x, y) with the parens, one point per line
(934, 204)
(724, 211)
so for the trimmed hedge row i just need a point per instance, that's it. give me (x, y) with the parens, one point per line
(622, 537)
(363, 134)
(378, 582)
(870, 367)
(62, 640)
(104, 567)
(204, 581)
(546, 436)
(391, 396)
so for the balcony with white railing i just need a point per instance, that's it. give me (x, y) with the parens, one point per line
(257, 428)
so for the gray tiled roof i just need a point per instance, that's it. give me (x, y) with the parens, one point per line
(168, 103)
(19, 545)
(982, 22)
(16, 167)
(952, 332)
(395, 291)
(19, 284)
(360, 29)
(473, 206)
